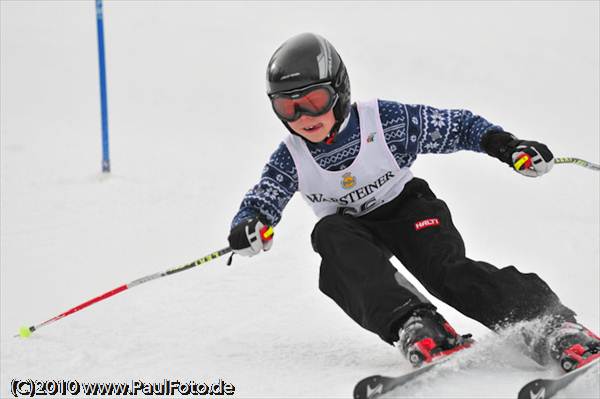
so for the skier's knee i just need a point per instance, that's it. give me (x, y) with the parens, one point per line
(325, 230)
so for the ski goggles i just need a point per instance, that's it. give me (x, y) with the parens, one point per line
(314, 100)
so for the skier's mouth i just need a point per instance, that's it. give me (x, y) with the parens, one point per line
(312, 128)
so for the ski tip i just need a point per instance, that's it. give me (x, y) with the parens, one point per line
(533, 390)
(547, 388)
(369, 388)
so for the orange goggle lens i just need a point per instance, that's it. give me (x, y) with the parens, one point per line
(314, 102)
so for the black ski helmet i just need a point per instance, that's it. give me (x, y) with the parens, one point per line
(305, 60)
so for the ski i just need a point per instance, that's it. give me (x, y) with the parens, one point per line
(376, 385)
(547, 388)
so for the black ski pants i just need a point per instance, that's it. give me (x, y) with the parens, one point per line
(417, 228)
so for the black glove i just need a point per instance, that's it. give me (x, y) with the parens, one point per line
(529, 158)
(250, 237)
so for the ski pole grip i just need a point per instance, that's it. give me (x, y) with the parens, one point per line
(523, 162)
(266, 233)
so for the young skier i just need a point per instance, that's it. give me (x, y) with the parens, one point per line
(351, 164)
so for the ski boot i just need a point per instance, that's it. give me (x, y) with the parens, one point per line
(425, 336)
(573, 345)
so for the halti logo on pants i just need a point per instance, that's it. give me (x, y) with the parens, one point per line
(427, 223)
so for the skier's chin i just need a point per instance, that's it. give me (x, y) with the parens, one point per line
(315, 137)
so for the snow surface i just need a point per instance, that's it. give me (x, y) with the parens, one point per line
(190, 129)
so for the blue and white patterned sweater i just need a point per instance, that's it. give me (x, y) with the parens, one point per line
(409, 130)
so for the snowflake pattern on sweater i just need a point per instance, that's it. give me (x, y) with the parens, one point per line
(409, 130)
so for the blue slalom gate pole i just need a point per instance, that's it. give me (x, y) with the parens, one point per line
(103, 100)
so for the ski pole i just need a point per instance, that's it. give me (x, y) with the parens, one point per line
(26, 331)
(577, 161)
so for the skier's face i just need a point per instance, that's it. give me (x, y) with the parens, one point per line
(314, 128)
